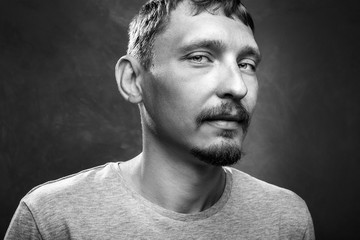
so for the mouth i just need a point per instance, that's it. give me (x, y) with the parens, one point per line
(226, 122)
(226, 125)
(227, 116)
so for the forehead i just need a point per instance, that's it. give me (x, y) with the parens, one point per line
(184, 27)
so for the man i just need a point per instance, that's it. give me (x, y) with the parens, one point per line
(191, 69)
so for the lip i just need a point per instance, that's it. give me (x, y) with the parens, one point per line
(224, 124)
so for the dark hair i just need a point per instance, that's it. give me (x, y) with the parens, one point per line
(154, 16)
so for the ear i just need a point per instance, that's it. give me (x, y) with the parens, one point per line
(128, 73)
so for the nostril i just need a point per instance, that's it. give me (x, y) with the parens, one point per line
(228, 95)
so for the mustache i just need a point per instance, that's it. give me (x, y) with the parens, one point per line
(226, 110)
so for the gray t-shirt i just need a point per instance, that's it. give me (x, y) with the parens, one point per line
(97, 204)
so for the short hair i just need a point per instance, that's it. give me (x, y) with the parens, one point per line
(154, 16)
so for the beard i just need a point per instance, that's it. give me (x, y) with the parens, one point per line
(225, 154)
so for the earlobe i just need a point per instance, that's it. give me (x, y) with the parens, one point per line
(128, 73)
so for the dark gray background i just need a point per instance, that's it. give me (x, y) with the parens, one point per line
(61, 112)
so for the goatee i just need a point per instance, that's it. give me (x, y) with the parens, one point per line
(224, 155)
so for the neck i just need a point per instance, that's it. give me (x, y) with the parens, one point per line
(174, 180)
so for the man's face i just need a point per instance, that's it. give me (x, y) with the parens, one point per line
(201, 88)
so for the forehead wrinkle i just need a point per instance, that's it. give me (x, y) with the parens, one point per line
(186, 40)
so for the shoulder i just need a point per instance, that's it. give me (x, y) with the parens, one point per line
(255, 189)
(88, 200)
(268, 201)
(72, 188)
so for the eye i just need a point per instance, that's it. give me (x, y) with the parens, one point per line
(199, 59)
(248, 66)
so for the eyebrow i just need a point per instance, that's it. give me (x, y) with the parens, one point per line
(218, 45)
(210, 44)
(251, 51)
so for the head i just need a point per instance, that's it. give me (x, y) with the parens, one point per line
(154, 16)
(191, 68)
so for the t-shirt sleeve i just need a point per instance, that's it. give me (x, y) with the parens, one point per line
(296, 221)
(22, 225)
(309, 232)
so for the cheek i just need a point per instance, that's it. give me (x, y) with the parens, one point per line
(167, 100)
(252, 93)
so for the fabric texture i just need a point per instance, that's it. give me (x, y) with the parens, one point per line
(97, 204)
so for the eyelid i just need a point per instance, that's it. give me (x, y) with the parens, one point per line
(199, 53)
(204, 54)
(249, 62)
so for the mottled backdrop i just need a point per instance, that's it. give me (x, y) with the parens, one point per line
(60, 111)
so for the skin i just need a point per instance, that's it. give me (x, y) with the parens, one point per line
(199, 63)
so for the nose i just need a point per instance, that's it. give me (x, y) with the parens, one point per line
(231, 84)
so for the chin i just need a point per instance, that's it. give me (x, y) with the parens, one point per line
(225, 153)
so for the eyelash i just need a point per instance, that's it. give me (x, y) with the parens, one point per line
(252, 66)
(193, 58)
(201, 56)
